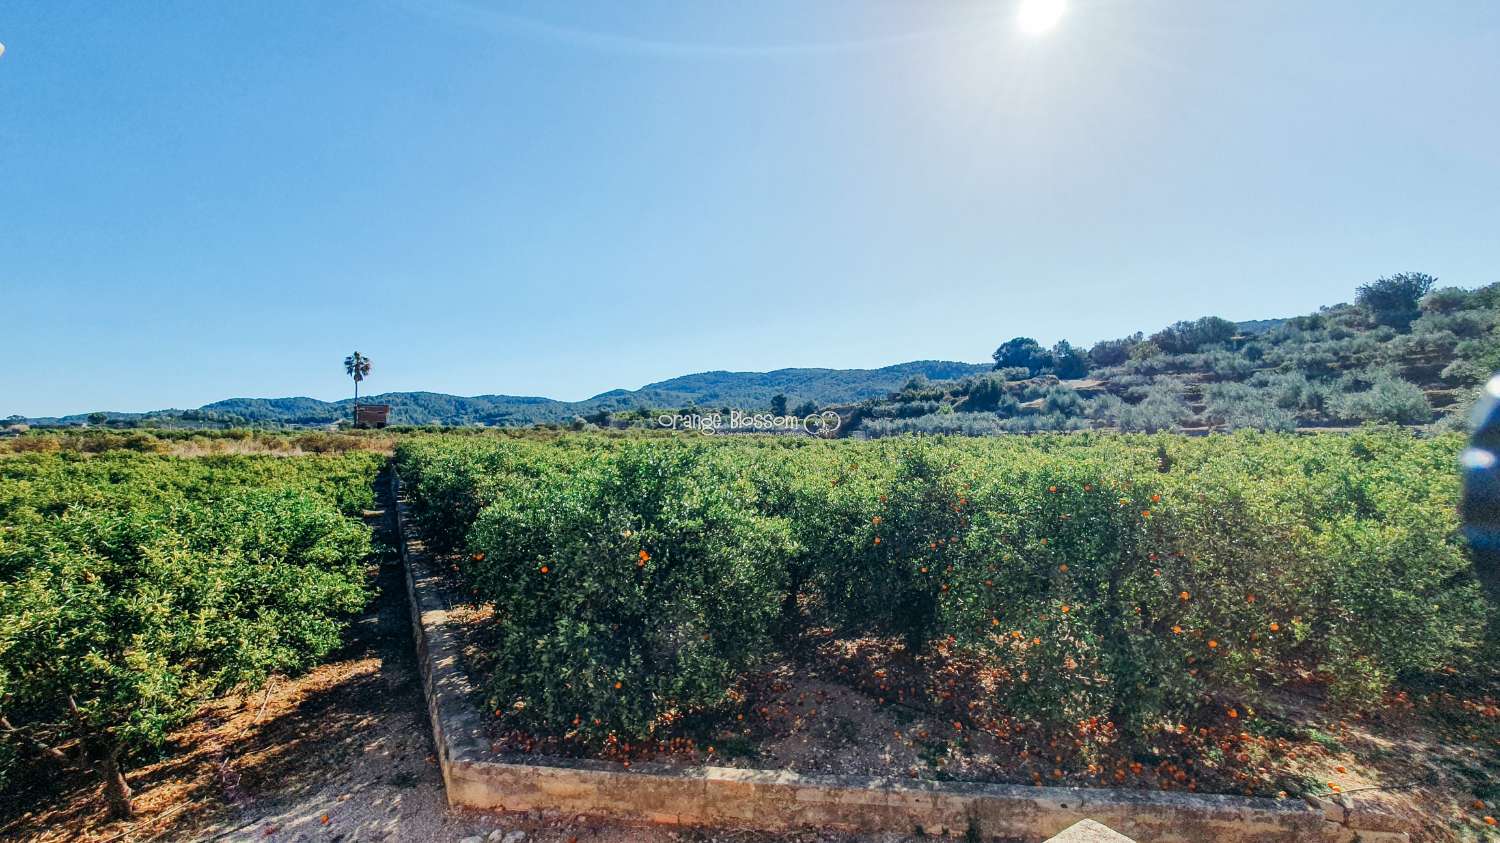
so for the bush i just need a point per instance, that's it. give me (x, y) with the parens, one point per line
(1388, 399)
(984, 395)
(1120, 579)
(1227, 365)
(632, 589)
(1104, 408)
(1068, 362)
(1161, 409)
(1293, 391)
(1037, 422)
(1465, 324)
(1188, 337)
(133, 588)
(1446, 300)
(888, 577)
(1061, 400)
(1394, 300)
(938, 424)
(1113, 352)
(1022, 353)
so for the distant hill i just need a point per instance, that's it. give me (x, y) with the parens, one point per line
(1405, 352)
(744, 390)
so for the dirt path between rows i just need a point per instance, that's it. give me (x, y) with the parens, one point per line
(343, 753)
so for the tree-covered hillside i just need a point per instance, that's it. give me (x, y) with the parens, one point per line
(708, 389)
(1406, 352)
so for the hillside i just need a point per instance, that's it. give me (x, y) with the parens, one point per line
(1405, 352)
(706, 389)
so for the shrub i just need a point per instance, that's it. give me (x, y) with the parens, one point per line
(936, 424)
(1037, 422)
(1161, 409)
(130, 603)
(1227, 364)
(1293, 391)
(1465, 324)
(888, 578)
(1394, 300)
(1061, 400)
(35, 445)
(1188, 337)
(328, 443)
(1464, 373)
(1022, 353)
(632, 589)
(1112, 352)
(1145, 350)
(1069, 362)
(1104, 408)
(1119, 579)
(1446, 300)
(1388, 399)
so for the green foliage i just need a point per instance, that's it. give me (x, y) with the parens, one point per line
(632, 587)
(888, 576)
(984, 393)
(1062, 401)
(1069, 362)
(1241, 406)
(1162, 408)
(1388, 399)
(1394, 300)
(1025, 354)
(941, 424)
(1113, 352)
(1022, 353)
(1446, 300)
(1188, 337)
(1121, 577)
(134, 587)
(1336, 367)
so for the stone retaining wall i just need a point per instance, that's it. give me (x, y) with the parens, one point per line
(477, 777)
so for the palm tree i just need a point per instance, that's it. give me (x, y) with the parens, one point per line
(357, 366)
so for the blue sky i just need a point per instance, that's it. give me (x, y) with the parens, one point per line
(209, 199)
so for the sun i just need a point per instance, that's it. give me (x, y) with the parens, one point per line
(1036, 17)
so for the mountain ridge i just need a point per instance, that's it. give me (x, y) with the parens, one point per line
(709, 388)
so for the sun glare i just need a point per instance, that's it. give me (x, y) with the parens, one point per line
(1035, 17)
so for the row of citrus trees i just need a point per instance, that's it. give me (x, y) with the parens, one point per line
(133, 587)
(1131, 578)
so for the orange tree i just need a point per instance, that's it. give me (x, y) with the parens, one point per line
(631, 589)
(889, 538)
(1135, 580)
(123, 609)
(1108, 587)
